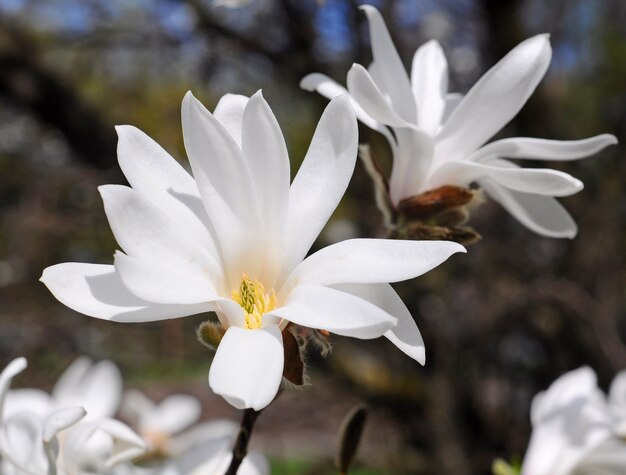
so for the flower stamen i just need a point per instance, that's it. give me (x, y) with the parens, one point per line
(251, 296)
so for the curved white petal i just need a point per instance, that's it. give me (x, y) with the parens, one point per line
(364, 90)
(387, 68)
(453, 99)
(617, 403)
(335, 311)
(248, 366)
(322, 178)
(162, 283)
(569, 420)
(411, 161)
(429, 80)
(60, 420)
(21, 447)
(96, 290)
(329, 88)
(405, 335)
(495, 99)
(35, 401)
(14, 368)
(225, 184)
(144, 231)
(174, 414)
(369, 261)
(229, 112)
(151, 171)
(540, 181)
(265, 152)
(541, 214)
(96, 387)
(542, 149)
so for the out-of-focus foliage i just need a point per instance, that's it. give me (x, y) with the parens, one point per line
(499, 324)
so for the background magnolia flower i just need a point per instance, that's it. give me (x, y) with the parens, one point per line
(439, 138)
(63, 441)
(573, 430)
(234, 241)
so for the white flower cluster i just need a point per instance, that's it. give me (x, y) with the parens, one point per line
(577, 430)
(72, 430)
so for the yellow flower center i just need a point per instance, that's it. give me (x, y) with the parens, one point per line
(254, 300)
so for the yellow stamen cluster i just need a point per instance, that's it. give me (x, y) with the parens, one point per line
(253, 299)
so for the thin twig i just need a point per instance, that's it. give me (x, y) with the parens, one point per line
(240, 449)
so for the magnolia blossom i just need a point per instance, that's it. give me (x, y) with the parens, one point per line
(61, 442)
(438, 138)
(574, 429)
(234, 240)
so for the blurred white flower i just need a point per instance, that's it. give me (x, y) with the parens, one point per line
(53, 440)
(234, 241)
(572, 430)
(439, 138)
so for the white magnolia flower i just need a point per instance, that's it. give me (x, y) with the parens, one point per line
(61, 442)
(573, 430)
(439, 138)
(159, 423)
(234, 241)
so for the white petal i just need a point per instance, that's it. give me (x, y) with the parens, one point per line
(335, 311)
(608, 458)
(541, 149)
(541, 214)
(61, 419)
(369, 261)
(35, 401)
(14, 368)
(162, 283)
(265, 152)
(322, 179)
(405, 335)
(146, 232)
(229, 111)
(331, 89)
(495, 99)
(411, 161)
(174, 414)
(136, 407)
(569, 420)
(96, 387)
(96, 290)
(387, 68)
(364, 90)
(225, 184)
(154, 173)
(540, 181)
(248, 366)
(453, 99)
(617, 403)
(429, 80)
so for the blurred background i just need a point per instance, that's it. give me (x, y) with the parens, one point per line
(500, 323)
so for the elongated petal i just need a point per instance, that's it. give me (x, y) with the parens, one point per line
(161, 283)
(14, 368)
(541, 214)
(539, 181)
(248, 366)
(35, 401)
(61, 419)
(405, 335)
(617, 403)
(322, 179)
(224, 181)
(96, 387)
(429, 80)
(144, 231)
(411, 162)
(229, 112)
(365, 91)
(265, 152)
(330, 89)
(151, 171)
(387, 68)
(369, 261)
(335, 311)
(96, 290)
(541, 149)
(495, 99)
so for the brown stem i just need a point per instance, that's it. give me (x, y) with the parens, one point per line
(240, 448)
